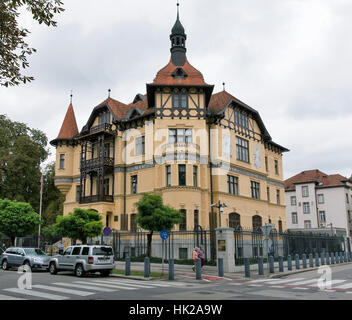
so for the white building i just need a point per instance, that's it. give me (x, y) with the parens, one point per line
(315, 200)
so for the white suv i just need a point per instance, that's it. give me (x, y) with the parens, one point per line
(83, 259)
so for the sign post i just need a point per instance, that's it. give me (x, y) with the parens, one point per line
(164, 234)
(266, 231)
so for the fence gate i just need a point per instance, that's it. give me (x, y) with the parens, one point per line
(238, 233)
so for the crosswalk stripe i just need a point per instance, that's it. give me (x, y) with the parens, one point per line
(36, 294)
(344, 286)
(106, 285)
(283, 281)
(261, 280)
(300, 288)
(304, 282)
(83, 287)
(125, 284)
(149, 283)
(329, 283)
(64, 290)
(3, 297)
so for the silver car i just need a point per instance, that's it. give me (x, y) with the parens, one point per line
(82, 259)
(35, 258)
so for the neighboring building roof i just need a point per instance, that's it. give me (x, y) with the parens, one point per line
(315, 176)
(69, 127)
(166, 75)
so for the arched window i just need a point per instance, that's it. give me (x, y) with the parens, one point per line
(280, 226)
(234, 220)
(256, 222)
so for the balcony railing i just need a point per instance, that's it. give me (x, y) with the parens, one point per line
(101, 127)
(180, 147)
(97, 162)
(97, 198)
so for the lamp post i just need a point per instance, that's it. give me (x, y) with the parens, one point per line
(221, 207)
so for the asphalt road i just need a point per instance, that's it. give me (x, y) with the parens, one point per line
(310, 285)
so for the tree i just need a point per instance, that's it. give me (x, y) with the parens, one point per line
(13, 48)
(80, 224)
(153, 215)
(22, 150)
(17, 219)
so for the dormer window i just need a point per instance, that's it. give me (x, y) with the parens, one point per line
(104, 118)
(180, 100)
(179, 73)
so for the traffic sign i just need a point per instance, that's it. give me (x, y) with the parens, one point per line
(164, 234)
(107, 231)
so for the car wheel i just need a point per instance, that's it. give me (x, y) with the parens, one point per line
(105, 273)
(79, 271)
(52, 268)
(4, 265)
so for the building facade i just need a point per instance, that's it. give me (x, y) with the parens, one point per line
(315, 200)
(181, 140)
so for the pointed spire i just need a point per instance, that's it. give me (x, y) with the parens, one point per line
(178, 41)
(69, 127)
(71, 95)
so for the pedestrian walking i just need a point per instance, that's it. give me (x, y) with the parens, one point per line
(201, 256)
(4, 246)
(61, 248)
(194, 258)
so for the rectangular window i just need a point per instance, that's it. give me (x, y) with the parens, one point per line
(320, 198)
(268, 193)
(196, 217)
(266, 164)
(195, 176)
(322, 216)
(181, 175)
(140, 146)
(78, 193)
(232, 185)
(278, 196)
(183, 224)
(306, 208)
(85, 251)
(255, 190)
(294, 218)
(180, 100)
(180, 135)
(241, 119)
(76, 251)
(276, 163)
(104, 118)
(347, 198)
(305, 192)
(293, 201)
(307, 224)
(62, 161)
(134, 184)
(107, 150)
(242, 149)
(133, 223)
(106, 186)
(168, 176)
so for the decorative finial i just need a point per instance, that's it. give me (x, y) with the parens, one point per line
(71, 97)
(109, 92)
(223, 85)
(178, 9)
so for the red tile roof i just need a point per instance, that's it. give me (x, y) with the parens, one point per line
(69, 127)
(315, 176)
(194, 77)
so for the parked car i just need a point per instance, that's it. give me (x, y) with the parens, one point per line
(33, 257)
(82, 259)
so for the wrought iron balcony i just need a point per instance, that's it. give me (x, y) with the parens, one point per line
(97, 198)
(95, 163)
(101, 127)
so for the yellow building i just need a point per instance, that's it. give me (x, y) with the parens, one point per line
(194, 147)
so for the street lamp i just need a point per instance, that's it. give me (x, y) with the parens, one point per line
(221, 207)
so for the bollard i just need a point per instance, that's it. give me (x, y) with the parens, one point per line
(337, 257)
(297, 261)
(345, 257)
(221, 267)
(128, 266)
(310, 260)
(171, 269)
(322, 258)
(146, 267)
(281, 264)
(289, 263)
(349, 257)
(198, 269)
(332, 258)
(304, 261)
(260, 266)
(247, 271)
(341, 257)
(271, 264)
(327, 258)
(317, 259)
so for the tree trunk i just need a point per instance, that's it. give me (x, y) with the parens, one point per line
(149, 244)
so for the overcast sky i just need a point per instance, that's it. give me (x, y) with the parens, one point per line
(289, 59)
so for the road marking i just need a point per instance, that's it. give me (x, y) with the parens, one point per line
(283, 281)
(277, 287)
(329, 283)
(3, 297)
(300, 288)
(254, 285)
(149, 283)
(126, 284)
(106, 285)
(304, 282)
(83, 287)
(64, 290)
(36, 294)
(344, 286)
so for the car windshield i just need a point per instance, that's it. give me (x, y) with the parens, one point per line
(102, 251)
(36, 252)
